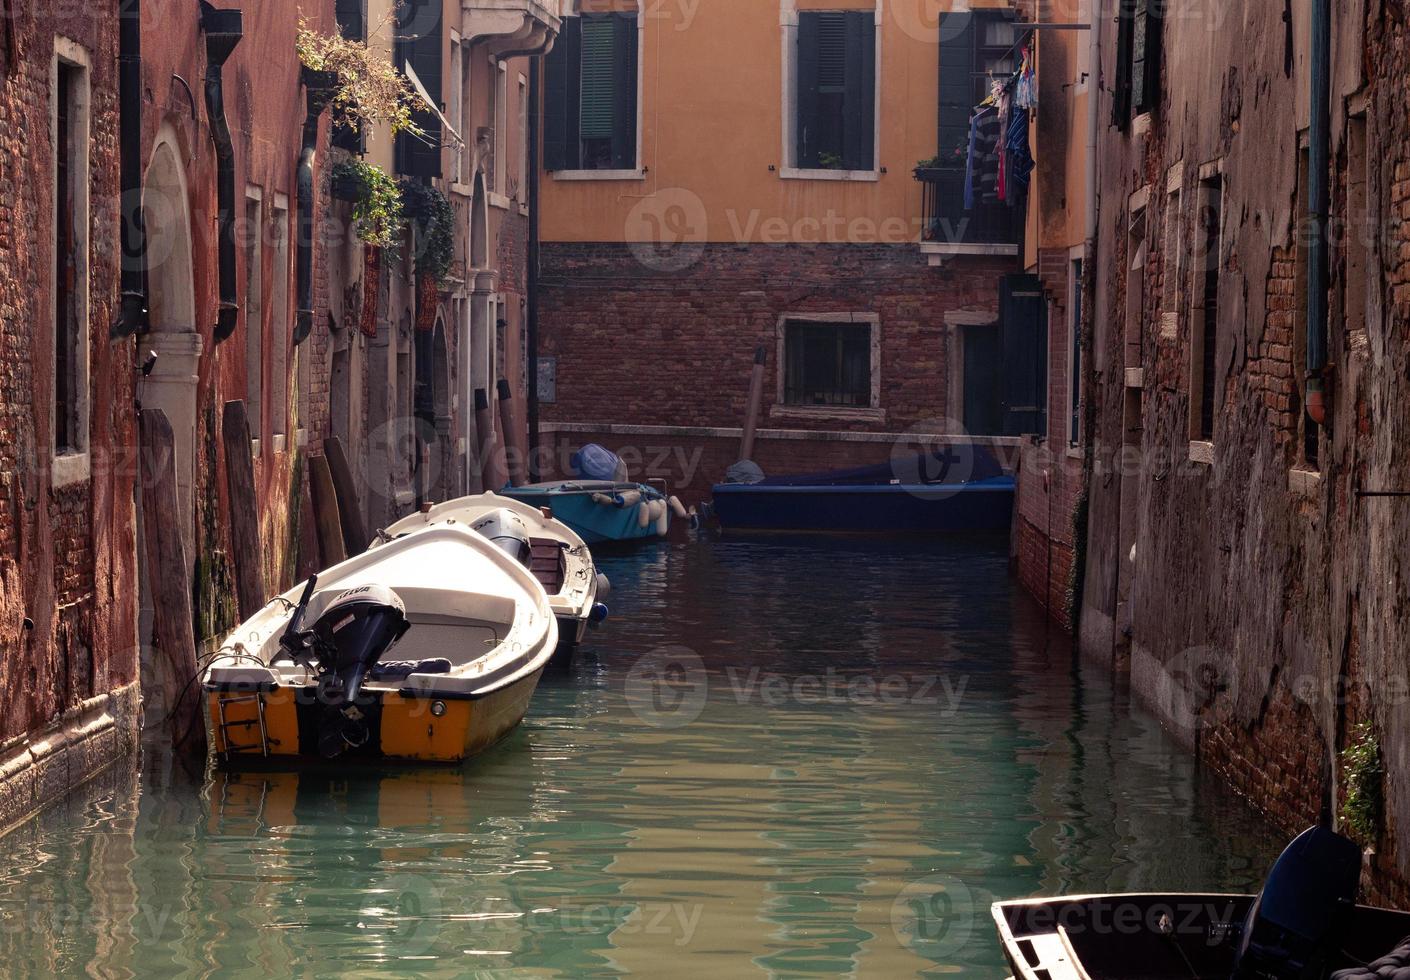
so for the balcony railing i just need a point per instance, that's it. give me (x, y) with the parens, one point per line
(946, 221)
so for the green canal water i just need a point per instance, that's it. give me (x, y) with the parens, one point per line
(778, 758)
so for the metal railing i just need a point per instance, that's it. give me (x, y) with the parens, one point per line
(946, 220)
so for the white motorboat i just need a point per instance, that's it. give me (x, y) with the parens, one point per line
(311, 674)
(550, 549)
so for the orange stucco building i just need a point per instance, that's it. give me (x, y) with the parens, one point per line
(724, 176)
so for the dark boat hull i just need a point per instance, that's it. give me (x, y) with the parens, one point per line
(883, 508)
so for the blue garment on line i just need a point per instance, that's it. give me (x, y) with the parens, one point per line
(1020, 158)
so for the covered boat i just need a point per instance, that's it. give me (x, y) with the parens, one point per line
(555, 554)
(602, 510)
(1304, 924)
(312, 674)
(961, 488)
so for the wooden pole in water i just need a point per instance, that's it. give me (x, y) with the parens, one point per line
(244, 509)
(355, 536)
(756, 397)
(513, 444)
(175, 691)
(492, 471)
(325, 511)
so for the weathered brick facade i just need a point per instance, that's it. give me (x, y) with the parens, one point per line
(1242, 576)
(636, 345)
(68, 662)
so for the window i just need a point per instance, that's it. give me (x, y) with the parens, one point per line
(827, 363)
(70, 107)
(279, 332)
(1204, 330)
(254, 311)
(974, 47)
(521, 190)
(455, 110)
(1074, 351)
(835, 66)
(500, 117)
(418, 49)
(590, 94)
(1172, 257)
(1359, 234)
(1138, 40)
(1136, 279)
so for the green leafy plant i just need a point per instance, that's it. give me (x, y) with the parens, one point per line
(930, 163)
(377, 206)
(1364, 775)
(370, 89)
(829, 161)
(433, 222)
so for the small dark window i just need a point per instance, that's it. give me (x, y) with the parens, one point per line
(590, 94)
(1074, 348)
(1210, 206)
(418, 47)
(1138, 45)
(836, 66)
(68, 427)
(827, 364)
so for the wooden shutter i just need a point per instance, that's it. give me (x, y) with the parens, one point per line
(1121, 88)
(957, 40)
(1145, 70)
(558, 67)
(420, 47)
(624, 94)
(859, 99)
(1023, 316)
(807, 121)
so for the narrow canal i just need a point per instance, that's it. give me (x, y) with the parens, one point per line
(779, 758)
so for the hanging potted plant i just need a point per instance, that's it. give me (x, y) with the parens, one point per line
(363, 86)
(377, 221)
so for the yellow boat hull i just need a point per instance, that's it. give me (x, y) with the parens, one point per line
(410, 729)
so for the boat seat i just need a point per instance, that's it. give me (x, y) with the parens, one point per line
(402, 669)
(546, 563)
(1395, 965)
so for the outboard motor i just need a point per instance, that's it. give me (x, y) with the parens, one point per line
(1294, 926)
(353, 631)
(508, 531)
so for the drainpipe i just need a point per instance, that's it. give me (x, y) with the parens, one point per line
(320, 85)
(531, 279)
(1318, 165)
(132, 316)
(1094, 74)
(224, 29)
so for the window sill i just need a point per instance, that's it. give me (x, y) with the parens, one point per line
(497, 201)
(1074, 452)
(524, 209)
(967, 248)
(1304, 482)
(1141, 125)
(462, 190)
(805, 413)
(1202, 452)
(796, 173)
(71, 468)
(254, 448)
(281, 443)
(598, 174)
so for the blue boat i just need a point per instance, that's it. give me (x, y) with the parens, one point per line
(926, 493)
(601, 510)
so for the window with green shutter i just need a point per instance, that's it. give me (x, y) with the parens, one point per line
(590, 94)
(836, 75)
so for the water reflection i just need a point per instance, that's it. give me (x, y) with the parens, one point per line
(799, 822)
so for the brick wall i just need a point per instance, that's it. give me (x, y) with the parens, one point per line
(67, 561)
(638, 344)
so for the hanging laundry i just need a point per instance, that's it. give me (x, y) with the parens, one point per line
(1019, 167)
(1025, 89)
(985, 150)
(1005, 104)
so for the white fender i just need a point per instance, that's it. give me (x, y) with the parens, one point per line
(628, 498)
(604, 499)
(663, 518)
(678, 508)
(643, 515)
